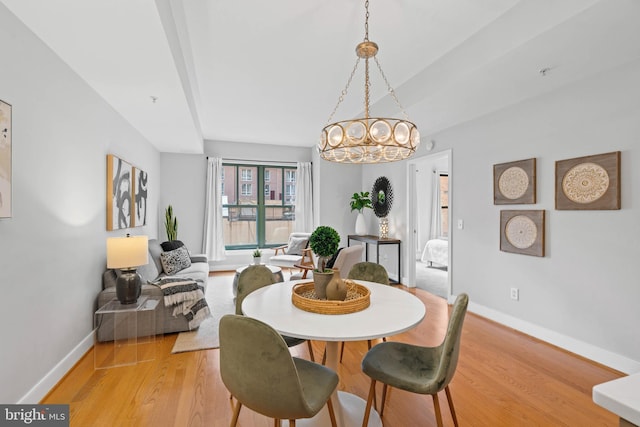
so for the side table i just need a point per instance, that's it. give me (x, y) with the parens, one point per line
(377, 241)
(126, 321)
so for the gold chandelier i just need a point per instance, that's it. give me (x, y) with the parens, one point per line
(368, 139)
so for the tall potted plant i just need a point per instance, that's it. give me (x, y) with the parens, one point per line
(359, 202)
(324, 243)
(170, 224)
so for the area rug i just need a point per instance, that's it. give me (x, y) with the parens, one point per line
(219, 296)
(432, 279)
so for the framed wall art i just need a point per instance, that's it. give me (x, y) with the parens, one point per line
(119, 190)
(140, 195)
(589, 183)
(522, 232)
(514, 182)
(6, 186)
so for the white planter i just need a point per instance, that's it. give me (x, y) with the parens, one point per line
(257, 259)
(361, 225)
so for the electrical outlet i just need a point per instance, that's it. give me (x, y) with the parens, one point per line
(515, 294)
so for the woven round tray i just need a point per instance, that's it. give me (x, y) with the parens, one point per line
(304, 297)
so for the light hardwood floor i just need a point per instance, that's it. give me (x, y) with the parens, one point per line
(504, 378)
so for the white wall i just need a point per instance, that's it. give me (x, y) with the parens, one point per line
(583, 295)
(184, 179)
(52, 253)
(334, 184)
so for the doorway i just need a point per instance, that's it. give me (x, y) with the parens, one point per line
(429, 229)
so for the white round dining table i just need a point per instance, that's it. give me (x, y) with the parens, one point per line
(391, 311)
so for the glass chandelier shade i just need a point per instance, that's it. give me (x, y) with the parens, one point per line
(368, 139)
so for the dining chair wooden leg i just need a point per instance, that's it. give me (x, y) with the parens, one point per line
(341, 351)
(311, 351)
(453, 411)
(276, 422)
(369, 344)
(436, 407)
(367, 410)
(384, 397)
(236, 413)
(332, 414)
(292, 423)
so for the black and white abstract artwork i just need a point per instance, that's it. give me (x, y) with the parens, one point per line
(140, 197)
(5, 160)
(119, 191)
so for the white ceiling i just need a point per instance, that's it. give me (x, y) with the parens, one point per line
(272, 72)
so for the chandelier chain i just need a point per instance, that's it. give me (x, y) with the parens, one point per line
(367, 84)
(391, 91)
(366, 21)
(344, 91)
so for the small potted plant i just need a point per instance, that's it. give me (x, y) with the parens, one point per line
(170, 224)
(324, 242)
(257, 256)
(359, 202)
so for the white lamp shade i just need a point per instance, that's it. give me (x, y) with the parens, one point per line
(127, 252)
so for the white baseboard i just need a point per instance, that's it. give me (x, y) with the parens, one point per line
(581, 348)
(40, 390)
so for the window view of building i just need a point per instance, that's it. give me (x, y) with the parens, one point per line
(258, 205)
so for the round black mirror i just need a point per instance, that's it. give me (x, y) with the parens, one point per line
(382, 197)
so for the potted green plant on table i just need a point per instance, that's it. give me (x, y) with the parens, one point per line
(257, 256)
(359, 202)
(170, 224)
(324, 243)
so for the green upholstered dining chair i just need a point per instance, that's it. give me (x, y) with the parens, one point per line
(271, 381)
(255, 277)
(424, 370)
(371, 272)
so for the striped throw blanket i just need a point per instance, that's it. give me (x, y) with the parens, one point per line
(187, 298)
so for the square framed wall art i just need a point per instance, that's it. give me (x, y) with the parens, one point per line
(514, 182)
(6, 180)
(522, 232)
(589, 183)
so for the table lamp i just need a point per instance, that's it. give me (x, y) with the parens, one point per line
(127, 253)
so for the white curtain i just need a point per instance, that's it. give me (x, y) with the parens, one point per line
(304, 199)
(434, 231)
(213, 243)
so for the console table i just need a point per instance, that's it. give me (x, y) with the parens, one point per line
(377, 241)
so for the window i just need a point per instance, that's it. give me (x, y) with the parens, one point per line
(290, 193)
(258, 205)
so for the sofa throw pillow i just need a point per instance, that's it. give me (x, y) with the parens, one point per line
(296, 245)
(171, 245)
(175, 260)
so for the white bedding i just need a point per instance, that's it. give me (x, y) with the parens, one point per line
(436, 251)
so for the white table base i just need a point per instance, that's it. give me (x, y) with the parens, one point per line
(351, 413)
(348, 407)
